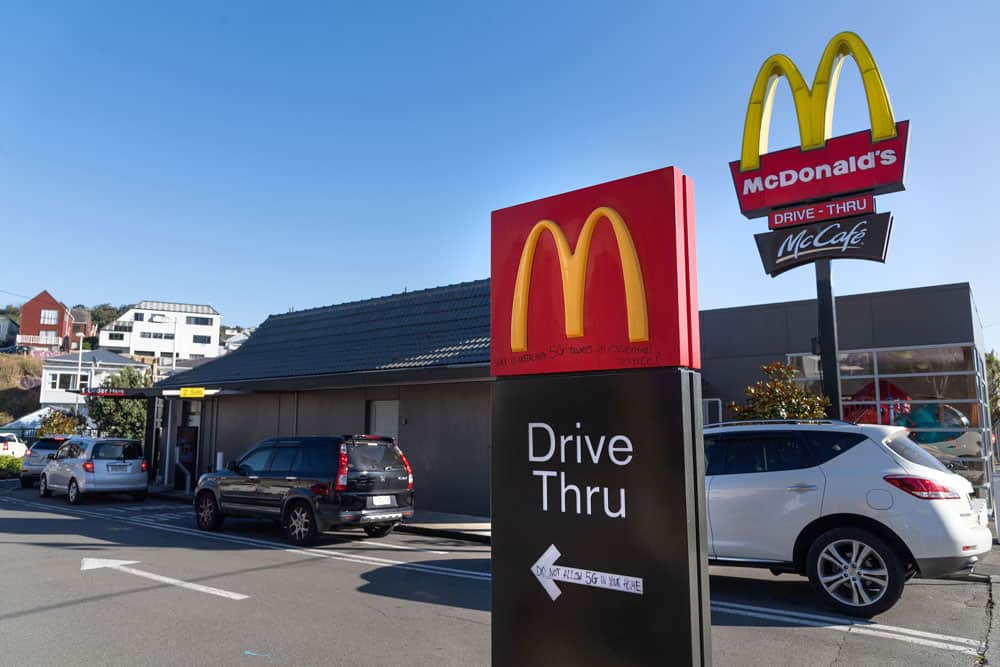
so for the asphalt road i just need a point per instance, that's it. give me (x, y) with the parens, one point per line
(402, 600)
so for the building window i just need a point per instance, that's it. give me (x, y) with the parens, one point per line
(49, 317)
(139, 317)
(200, 321)
(145, 334)
(48, 334)
(116, 336)
(202, 340)
(166, 355)
(158, 335)
(145, 353)
(53, 380)
(197, 356)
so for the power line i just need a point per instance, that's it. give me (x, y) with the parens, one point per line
(15, 294)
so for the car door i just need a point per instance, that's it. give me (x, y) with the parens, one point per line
(55, 471)
(279, 479)
(767, 489)
(238, 490)
(714, 456)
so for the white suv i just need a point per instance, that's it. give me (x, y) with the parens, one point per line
(859, 509)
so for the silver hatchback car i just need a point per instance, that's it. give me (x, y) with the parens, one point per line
(96, 465)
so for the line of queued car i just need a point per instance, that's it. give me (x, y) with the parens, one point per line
(77, 465)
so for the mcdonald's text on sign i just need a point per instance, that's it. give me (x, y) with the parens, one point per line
(822, 167)
(596, 279)
(829, 210)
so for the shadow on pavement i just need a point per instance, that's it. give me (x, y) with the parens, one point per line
(443, 590)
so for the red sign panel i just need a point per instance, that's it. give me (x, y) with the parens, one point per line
(596, 279)
(838, 208)
(850, 163)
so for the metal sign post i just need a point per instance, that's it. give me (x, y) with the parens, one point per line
(829, 347)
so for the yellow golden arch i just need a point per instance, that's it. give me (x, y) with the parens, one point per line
(814, 108)
(573, 268)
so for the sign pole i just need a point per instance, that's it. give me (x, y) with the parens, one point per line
(829, 348)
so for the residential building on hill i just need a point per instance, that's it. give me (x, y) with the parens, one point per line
(164, 331)
(8, 330)
(59, 376)
(83, 323)
(46, 324)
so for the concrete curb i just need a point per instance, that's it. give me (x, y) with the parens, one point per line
(444, 532)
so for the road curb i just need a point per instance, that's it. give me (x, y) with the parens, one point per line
(443, 532)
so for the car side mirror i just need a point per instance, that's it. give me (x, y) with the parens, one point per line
(231, 466)
(51, 457)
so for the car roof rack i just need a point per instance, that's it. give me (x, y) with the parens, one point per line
(778, 422)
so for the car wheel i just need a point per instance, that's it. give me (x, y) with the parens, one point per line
(27, 483)
(43, 488)
(139, 496)
(300, 524)
(206, 512)
(73, 493)
(855, 571)
(380, 530)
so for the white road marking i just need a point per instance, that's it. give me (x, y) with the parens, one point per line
(248, 541)
(123, 566)
(930, 639)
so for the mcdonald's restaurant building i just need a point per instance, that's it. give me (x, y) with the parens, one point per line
(416, 366)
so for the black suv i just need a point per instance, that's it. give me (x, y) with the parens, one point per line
(312, 484)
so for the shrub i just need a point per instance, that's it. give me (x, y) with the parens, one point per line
(59, 422)
(10, 466)
(778, 397)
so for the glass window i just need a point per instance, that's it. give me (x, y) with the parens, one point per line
(284, 459)
(827, 445)
(63, 452)
(48, 334)
(53, 380)
(927, 360)
(713, 456)
(139, 317)
(66, 381)
(203, 340)
(256, 461)
(765, 453)
(374, 456)
(116, 336)
(49, 317)
(932, 415)
(46, 445)
(145, 334)
(321, 459)
(851, 363)
(200, 321)
(784, 453)
(914, 453)
(123, 450)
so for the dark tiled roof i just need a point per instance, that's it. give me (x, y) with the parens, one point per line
(442, 326)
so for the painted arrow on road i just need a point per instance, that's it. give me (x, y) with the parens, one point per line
(123, 566)
(548, 573)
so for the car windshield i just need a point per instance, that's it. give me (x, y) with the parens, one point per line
(913, 452)
(117, 450)
(375, 456)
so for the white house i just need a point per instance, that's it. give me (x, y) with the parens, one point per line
(59, 375)
(165, 331)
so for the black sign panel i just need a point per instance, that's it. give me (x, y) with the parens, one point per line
(599, 543)
(862, 237)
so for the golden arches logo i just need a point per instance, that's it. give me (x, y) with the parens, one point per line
(573, 268)
(814, 107)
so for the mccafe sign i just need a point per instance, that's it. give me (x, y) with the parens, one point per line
(848, 238)
(819, 196)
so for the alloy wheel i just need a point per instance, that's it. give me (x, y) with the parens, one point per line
(853, 573)
(206, 511)
(298, 523)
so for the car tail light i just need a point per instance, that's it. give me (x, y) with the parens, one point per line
(88, 466)
(144, 466)
(409, 470)
(921, 487)
(341, 484)
(319, 490)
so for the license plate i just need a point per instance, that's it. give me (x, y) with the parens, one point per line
(117, 467)
(381, 501)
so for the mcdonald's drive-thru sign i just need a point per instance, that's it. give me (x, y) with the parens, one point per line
(597, 279)
(823, 167)
(597, 463)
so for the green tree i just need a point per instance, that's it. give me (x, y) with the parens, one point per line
(122, 417)
(11, 311)
(59, 422)
(5, 418)
(778, 397)
(104, 314)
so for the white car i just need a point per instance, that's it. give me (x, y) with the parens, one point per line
(859, 509)
(11, 446)
(95, 465)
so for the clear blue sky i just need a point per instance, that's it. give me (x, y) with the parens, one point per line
(259, 157)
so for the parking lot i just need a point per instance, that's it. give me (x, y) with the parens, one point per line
(244, 596)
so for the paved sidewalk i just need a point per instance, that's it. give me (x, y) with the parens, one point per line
(424, 522)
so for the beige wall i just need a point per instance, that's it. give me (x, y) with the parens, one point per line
(444, 430)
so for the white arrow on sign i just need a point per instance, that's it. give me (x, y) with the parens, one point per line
(548, 573)
(122, 566)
